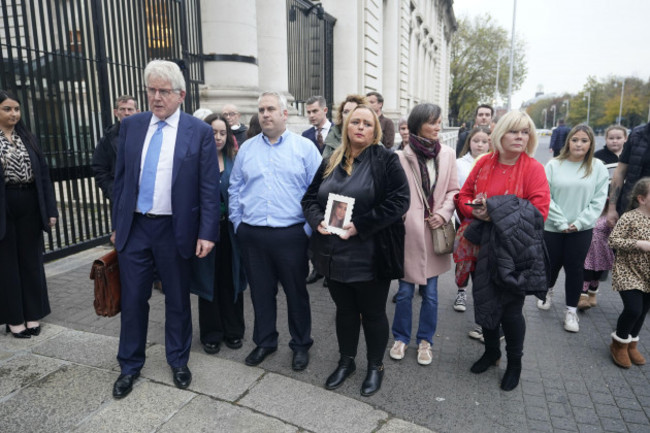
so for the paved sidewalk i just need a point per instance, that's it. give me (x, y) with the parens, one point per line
(569, 382)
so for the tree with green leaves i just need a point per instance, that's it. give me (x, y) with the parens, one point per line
(477, 46)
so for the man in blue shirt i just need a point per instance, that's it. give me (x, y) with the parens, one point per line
(271, 174)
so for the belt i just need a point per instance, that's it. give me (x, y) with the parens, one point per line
(152, 215)
(19, 185)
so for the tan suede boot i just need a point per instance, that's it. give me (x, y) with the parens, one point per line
(634, 354)
(583, 302)
(619, 350)
(592, 297)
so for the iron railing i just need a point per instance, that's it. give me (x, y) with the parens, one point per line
(67, 61)
(310, 39)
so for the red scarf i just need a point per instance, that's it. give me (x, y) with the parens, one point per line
(515, 183)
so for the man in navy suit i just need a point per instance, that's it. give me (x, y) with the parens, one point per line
(317, 114)
(166, 209)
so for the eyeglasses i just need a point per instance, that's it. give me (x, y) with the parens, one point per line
(151, 91)
(230, 114)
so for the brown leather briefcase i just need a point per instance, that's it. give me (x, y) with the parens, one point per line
(106, 273)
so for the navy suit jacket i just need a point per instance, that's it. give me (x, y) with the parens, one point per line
(311, 134)
(195, 181)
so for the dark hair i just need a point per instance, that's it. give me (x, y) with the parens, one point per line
(642, 187)
(472, 133)
(229, 148)
(254, 126)
(313, 99)
(484, 106)
(21, 128)
(125, 98)
(421, 114)
(380, 98)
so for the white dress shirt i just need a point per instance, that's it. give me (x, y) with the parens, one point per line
(162, 194)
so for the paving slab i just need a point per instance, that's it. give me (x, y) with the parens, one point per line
(81, 348)
(10, 344)
(146, 409)
(220, 378)
(400, 426)
(311, 407)
(206, 415)
(23, 370)
(57, 402)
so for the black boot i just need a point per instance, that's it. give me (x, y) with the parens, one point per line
(373, 379)
(513, 371)
(492, 352)
(343, 371)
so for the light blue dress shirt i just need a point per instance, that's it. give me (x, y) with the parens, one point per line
(268, 181)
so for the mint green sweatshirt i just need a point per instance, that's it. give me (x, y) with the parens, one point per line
(575, 199)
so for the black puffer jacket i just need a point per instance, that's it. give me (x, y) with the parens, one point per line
(512, 261)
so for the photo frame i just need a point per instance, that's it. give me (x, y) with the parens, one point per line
(338, 212)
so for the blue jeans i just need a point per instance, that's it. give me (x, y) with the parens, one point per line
(404, 312)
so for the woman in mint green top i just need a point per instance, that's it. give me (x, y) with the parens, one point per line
(578, 185)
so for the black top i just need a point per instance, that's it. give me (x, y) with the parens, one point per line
(354, 259)
(645, 161)
(606, 155)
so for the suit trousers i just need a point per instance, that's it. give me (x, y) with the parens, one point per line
(151, 244)
(23, 292)
(223, 316)
(273, 255)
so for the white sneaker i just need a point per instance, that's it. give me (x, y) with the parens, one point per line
(459, 303)
(571, 322)
(398, 350)
(545, 305)
(425, 356)
(476, 333)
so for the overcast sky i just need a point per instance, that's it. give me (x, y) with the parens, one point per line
(569, 40)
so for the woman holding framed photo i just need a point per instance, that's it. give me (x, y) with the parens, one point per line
(361, 261)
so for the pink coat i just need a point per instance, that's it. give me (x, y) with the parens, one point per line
(420, 262)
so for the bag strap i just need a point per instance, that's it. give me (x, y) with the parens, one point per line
(421, 192)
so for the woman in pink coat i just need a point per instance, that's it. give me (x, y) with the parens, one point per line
(431, 172)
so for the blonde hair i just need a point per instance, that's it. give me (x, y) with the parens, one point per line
(565, 152)
(515, 120)
(615, 127)
(345, 149)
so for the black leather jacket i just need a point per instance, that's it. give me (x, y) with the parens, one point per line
(391, 201)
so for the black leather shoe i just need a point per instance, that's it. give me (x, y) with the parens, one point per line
(182, 377)
(313, 277)
(124, 384)
(34, 331)
(211, 348)
(300, 360)
(343, 371)
(233, 343)
(373, 379)
(258, 354)
(22, 334)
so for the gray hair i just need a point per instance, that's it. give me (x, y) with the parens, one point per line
(125, 98)
(166, 70)
(284, 105)
(313, 99)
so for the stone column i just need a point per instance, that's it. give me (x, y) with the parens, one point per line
(230, 41)
(390, 59)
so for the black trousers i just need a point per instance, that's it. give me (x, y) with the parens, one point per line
(223, 317)
(273, 255)
(568, 251)
(635, 307)
(361, 304)
(514, 328)
(23, 292)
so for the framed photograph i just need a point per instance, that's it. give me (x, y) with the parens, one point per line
(338, 212)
